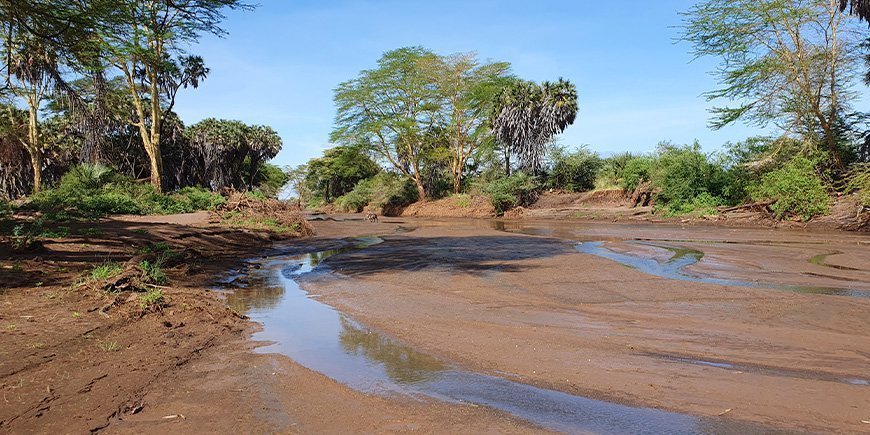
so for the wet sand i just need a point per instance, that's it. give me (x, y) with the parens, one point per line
(534, 309)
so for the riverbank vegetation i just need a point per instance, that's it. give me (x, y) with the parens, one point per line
(453, 125)
(87, 121)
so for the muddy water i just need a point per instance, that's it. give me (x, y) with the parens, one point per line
(324, 340)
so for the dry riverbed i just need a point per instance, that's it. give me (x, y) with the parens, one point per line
(515, 302)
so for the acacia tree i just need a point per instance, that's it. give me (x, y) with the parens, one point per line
(527, 116)
(391, 108)
(466, 89)
(144, 43)
(29, 79)
(789, 63)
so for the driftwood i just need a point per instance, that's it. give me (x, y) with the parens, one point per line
(759, 205)
(643, 195)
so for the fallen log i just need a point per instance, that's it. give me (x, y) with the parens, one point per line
(755, 205)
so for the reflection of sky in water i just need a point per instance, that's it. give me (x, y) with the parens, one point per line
(322, 339)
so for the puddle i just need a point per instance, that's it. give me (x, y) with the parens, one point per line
(323, 339)
(683, 257)
(762, 370)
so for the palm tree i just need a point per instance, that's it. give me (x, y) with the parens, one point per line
(861, 8)
(527, 116)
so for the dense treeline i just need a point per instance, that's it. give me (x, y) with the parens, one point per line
(422, 126)
(93, 84)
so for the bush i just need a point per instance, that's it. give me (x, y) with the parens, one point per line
(197, 198)
(574, 172)
(634, 172)
(702, 205)
(520, 189)
(796, 188)
(858, 182)
(384, 190)
(93, 191)
(681, 173)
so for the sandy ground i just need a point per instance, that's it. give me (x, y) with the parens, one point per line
(502, 303)
(64, 368)
(532, 306)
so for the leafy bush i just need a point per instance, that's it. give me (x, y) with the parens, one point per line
(796, 188)
(635, 171)
(520, 189)
(610, 173)
(93, 191)
(574, 172)
(684, 172)
(383, 190)
(197, 198)
(701, 205)
(858, 182)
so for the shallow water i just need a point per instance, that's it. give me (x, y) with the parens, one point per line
(323, 339)
(682, 257)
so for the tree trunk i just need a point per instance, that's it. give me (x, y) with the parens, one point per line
(34, 147)
(507, 161)
(36, 163)
(421, 191)
(155, 160)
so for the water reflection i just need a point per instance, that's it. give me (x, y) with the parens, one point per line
(401, 363)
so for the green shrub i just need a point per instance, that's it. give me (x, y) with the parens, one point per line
(520, 189)
(154, 271)
(858, 182)
(796, 188)
(702, 205)
(383, 190)
(634, 172)
(197, 198)
(93, 191)
(681, 173)
(574, 172)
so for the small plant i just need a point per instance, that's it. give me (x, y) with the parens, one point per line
(156, 248)
(141, 231)
(56, 233)
(462, 200)
(153, 300)
(76, 315)
(106, 270)
(108, 346)
(90, 231)
(153, 271)
(12, 327)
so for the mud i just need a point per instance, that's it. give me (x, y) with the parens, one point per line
(534, 310)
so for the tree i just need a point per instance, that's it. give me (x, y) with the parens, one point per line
(527, 116)
(29, 67)
(338, 171)
(230, 153)
(861, 8)
(144, 45)
(391, 109)
(296, 179)
(790, 63)
(467, 90)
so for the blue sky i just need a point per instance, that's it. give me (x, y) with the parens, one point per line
(637, 86)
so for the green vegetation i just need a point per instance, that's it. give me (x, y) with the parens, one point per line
(92, 191)
(796, 188)
(573, 171)
(153, 300)
(106, 270)
(518, 189)
(153, 271)
(381, 191)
